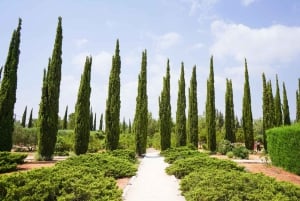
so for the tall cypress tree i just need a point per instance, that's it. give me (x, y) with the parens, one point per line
(180, 113)
(23, 123)
(277, 106)
(165, 112)
(101, 122)
(141, 110)
(8, 91)
(129, 126)
(247, 113)
(193, 111)
(91, 119)
(285, 108)
(113, 103)
(229, 113)
(298, 102)
(211, 110)
(1, 69)
(95, 122)
(82, 111)
(65, 121)
(30, 119)
(49, 106)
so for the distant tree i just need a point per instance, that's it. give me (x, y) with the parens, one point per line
(95, 122)
(8, 91)
(193, 111)
(180, 113)
(82, 110)
(165, 112)
(65, 121)
(49, 106)
(30, 123)
(285, 108)
(124, 125)
(141, 110)
(91, 119)
(23, 123)
(277, 106)
(1, 69)
(71, 123)
(129, 126)
(211, 110)
(101, 122)
(113, 103)
(247, 113)
(229, 113)
(298, 102)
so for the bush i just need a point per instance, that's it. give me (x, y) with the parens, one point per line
(9, 161)
(25, 136)
(224, 146)
(174, 154)
(240, 151)
(230, 154)
(284, 147)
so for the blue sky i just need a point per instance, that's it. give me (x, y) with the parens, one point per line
(266, 32)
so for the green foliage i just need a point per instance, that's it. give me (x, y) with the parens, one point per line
(30, 123)
(25, 136)
(23, 122)
(230, 154)
(124, 154)
(240, 151)
(9, 161)
(229, 113)
(285, 108)
(284, 147)
(8, 91)
(64, 143)
(298, 102)
(65, 120)
(173, 154)
(224, 146)
(193, 111)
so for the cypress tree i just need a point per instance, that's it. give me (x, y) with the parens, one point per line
(229, 113)
(95, 120)
(8, 91)
(82, 111)
(49, 106)
(91, 119)
(180, 113)
(1, 69)
(277, 106)
(211, 110)
(113, 102)
(165, 112)
(193, 111)
(285, 108)
(65, 121)
(101, 122)
(30, 119)
(23, 123)
(141, 110)
(298, 102)
(247, 113)
(129, 126)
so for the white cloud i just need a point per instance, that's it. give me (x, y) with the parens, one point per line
(167, 40)
(81, 42)
(247, 2)
(201, 6)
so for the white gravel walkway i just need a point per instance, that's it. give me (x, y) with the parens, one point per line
(152, 183)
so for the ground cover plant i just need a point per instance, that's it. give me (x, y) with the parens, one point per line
(84, 177)
(9, 161)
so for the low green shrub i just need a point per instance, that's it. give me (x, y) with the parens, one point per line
(240, 151)
(9, 161)
(230, 154)
(124, 154)
(224, 146)
(174, 154)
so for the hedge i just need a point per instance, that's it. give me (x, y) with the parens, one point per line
(9, 161)
(284, 147)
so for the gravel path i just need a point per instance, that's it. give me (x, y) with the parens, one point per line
(152, 183)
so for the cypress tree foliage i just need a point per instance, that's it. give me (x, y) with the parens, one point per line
(211, 110)
(23, 123)
(30, 119)
(285, 108)
(101, 122)
(65, 121)
(91, 119)
(180, 113)
(113, 103)
(49, 106)
(95, 120)
(247, 113)
(193, 111)
(82, 111)
(229, 113)
(129, 126)
(141, 110)
(124, 125)
(165, 112)
(298, 102)
(277, 106)
(8, 91)
(1, 69)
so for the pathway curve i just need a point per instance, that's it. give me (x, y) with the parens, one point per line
(152, 183)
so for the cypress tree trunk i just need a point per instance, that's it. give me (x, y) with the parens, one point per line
(247, 113)
(229, 113)
(141, 111)
(65, 122)
(49, 106)
(30, 120)
(277, 106)
(101, 123)
(193, 111)
(165, 112)
(23, 123)
(285, 108)
(211, 110)
(112, 113)
(8, 91)
(82, 111)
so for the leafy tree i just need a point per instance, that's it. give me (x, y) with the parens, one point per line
(71, 123)
(180, 113)
(65, 121)
(211, 110)
(277, 106)
(113, 102)
(298, 102)
(101, 122)
(141, 111)
(30, 123)
(285, 108)
(247, 113)
(8, 91)
(193, 111)
(82, 111)
(165, 112)
(49, 106)
(229, 113)
(23, 123)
